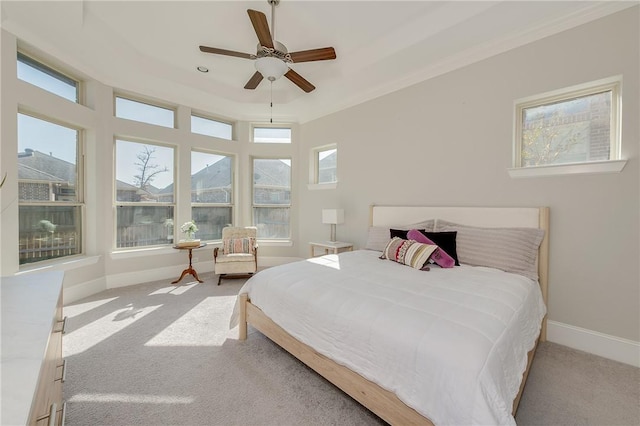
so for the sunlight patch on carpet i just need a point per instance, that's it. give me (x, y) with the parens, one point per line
(176, 290)
(86, 337)
(136, 399)
(200, 326)
(79, 309)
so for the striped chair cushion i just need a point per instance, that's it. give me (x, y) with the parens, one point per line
(238, 245)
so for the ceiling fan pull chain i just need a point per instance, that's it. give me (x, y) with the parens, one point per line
(271, 100)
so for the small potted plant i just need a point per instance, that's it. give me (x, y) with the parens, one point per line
(189, 229)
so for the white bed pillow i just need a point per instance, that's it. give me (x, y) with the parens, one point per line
(379, 236)
(509, 249)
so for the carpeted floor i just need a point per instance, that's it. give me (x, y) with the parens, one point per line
(157, 354)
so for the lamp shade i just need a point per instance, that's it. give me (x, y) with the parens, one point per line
(333, 216)
(271, 68)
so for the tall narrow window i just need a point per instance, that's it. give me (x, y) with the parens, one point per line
(49, 190)
(145, 194)
(211, 193)
(272, 197)
(144, 112)
(47, 78)
(326, 164)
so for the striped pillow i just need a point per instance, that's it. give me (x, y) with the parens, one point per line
(408, 252)
(512, 250)
(239, 245)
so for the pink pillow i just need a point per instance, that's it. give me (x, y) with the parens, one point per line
(439, 256)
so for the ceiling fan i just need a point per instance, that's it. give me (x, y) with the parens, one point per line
(272, 57)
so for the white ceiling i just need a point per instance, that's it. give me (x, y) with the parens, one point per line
(151, 47)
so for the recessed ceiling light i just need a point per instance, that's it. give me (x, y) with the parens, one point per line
(202, 69)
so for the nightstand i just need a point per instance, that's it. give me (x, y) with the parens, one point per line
(333, 247)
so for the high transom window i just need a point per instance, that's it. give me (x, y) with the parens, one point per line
(45, 77)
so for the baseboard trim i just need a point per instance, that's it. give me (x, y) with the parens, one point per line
(82, 290)
(604, 345)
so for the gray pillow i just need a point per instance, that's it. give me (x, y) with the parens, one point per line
(509, 249)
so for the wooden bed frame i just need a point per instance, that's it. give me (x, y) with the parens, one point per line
(383, 403)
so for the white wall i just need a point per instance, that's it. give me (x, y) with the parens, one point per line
(447, 141)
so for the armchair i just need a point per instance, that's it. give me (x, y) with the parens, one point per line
(238, 256)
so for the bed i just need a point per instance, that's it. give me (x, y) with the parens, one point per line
(444, 346)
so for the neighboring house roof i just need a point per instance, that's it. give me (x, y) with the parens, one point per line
(271, 173)
(35, 165)
(217, 175)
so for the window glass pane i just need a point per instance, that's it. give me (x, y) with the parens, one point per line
(210, 221)
(144, 226)
(570, 131)
(271, 181)
(209, 127)
(271, 135)
(139, 111)
(144, 172)
(272, 222)
(48, 232)
(327, 166)
(211, 178)
(47, 154)
(40, 75)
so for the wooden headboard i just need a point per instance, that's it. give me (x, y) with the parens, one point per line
(490, 217)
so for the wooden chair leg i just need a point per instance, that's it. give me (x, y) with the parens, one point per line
(220, 278)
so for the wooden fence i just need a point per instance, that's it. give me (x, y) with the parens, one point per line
(37, 246)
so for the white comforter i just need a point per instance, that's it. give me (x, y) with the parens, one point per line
(450, 343)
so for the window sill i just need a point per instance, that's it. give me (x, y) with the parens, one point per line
(274, 243)
(611, 166)
(320, 186)
(139, 252)
(66, 264)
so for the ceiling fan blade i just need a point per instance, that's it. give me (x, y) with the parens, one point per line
(260, 25)
(215, 50)
(299, 81)
(322, 54)
(254, 81)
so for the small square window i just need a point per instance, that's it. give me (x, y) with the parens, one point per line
(572, 126)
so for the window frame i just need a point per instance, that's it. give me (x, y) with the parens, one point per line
(117, 204)
(79, 202)
(289, 206)
(231, 203)
(314, 168)
(205, 116)
(255, 126)
(47, 68)
(145, 101)
(614, 164)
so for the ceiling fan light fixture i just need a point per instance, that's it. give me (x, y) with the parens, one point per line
(271, 68)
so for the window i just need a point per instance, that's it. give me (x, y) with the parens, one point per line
(326, 165)
(573, 126)
(146, 113)
(210, 127)
(46, 78)
(144, 194)
(211, 193)
(272, 197)
(49, 190)
(272, 135)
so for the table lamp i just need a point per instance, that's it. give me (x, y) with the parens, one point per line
(333, 217)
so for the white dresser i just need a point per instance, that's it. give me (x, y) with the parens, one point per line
(32, 366)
